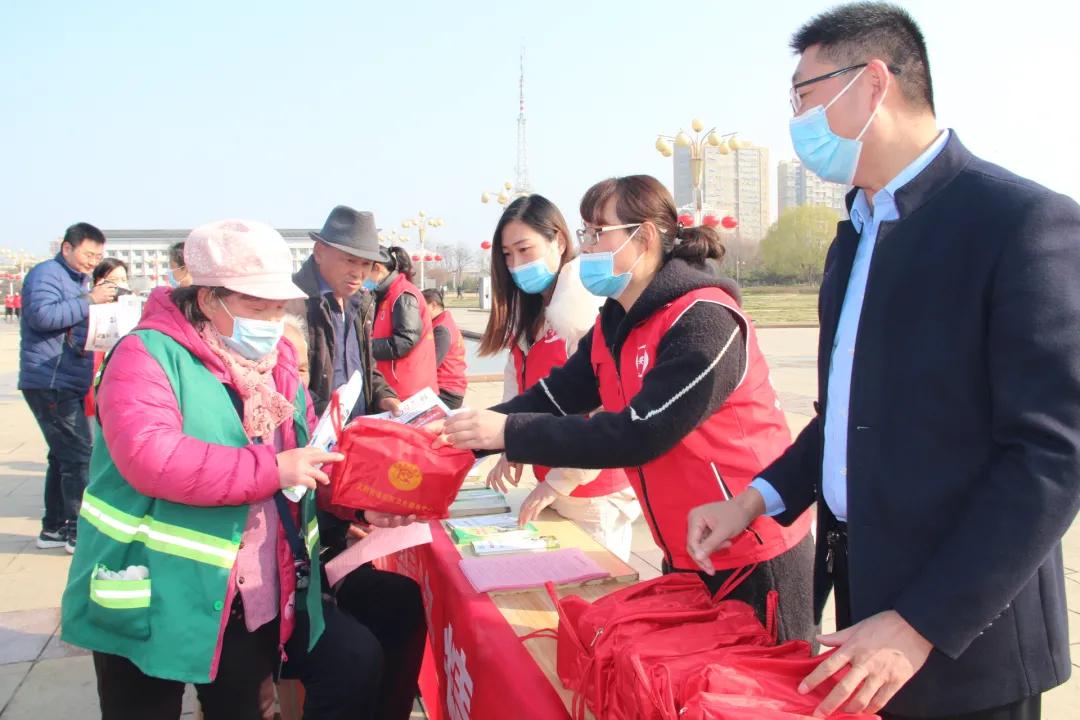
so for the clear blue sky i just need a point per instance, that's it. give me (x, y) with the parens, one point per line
(149, 114)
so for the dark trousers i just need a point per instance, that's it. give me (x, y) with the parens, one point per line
(247, 658)
(342, 675)
(451, 400)
(1029, 708)
(390, 606)
(61, 416)
(791, 574)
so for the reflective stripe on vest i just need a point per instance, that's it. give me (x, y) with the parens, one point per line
(120, 594)
(312, 536)
(159, 536)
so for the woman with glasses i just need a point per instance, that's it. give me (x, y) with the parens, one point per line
(687, 404)
(539, 312)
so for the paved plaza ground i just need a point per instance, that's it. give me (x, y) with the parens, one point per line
(42, 678)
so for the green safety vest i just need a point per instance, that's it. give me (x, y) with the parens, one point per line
(168, 624)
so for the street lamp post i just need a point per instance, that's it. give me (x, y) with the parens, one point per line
(504, 196)
(421, 222)
(696, 145)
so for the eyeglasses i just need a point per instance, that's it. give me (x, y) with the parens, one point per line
(590, 236)
(796, 99)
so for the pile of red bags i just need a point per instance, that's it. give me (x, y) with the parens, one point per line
(665, 650)
(391, 467)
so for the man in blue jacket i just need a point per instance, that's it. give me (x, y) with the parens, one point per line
(55, 371)
(944, 458)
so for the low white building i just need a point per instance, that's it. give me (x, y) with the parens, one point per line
(146, 252)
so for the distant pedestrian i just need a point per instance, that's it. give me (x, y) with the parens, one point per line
(449, 351)
(55, 371)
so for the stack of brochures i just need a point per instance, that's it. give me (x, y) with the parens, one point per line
(498, 534)
(478, 501)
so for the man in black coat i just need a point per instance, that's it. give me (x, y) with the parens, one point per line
(945, 455)
(339, 317)
(387, 605)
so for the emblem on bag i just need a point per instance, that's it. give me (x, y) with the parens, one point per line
(641, 362)
(405, 476)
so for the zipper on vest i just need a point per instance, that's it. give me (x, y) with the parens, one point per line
(641, 473)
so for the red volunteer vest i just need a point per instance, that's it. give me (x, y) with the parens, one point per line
(530, 368)
(451, 371)
(416, 371)
(716, 460)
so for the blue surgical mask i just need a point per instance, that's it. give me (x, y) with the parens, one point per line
(173, 282)
(598, 271)
(369, 285)
(821, 150)
(533, 278)
(253, 339)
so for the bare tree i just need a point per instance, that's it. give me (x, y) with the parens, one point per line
(458, 260)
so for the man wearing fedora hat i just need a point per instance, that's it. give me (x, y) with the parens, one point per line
(339, 321)
(339, 316)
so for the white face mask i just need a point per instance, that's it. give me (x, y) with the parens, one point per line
(823, 152)
(597, 271)
(253, 339)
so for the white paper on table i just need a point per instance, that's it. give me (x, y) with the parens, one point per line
(324, 436)
(379, 543)
(108, 322)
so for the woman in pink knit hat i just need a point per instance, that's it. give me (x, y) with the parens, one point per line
(191, 565)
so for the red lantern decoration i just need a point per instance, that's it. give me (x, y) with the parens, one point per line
(438, 258)
(486, 245)
(729, 222)
(686, 220)
(416, 258)
(428, 258)
(710, 221)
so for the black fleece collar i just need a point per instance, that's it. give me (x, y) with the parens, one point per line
(675, 279)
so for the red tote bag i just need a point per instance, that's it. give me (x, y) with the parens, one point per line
(674, 609)
(756, 683)
(391, 467)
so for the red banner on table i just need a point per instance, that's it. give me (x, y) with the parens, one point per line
(475, 667)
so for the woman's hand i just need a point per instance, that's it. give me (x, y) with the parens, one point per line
(504, 472)
(379, 519)
(476, 430)
(300, 466)
(542, 496)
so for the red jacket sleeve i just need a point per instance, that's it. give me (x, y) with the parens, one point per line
(143, 431)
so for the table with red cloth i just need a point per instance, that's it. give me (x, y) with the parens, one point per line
(476, 664)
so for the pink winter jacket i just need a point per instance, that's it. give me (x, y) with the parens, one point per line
(142, 426)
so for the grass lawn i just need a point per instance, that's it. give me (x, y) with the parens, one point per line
(766, 304)
(469, 300)
(781, 305)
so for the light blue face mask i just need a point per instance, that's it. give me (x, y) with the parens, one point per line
(533, 278)
(369, 285)
(173, 282)
(822, 151)
(598, 271)
(253, 339)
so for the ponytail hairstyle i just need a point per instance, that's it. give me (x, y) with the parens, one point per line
(643, 198)
(400, 261)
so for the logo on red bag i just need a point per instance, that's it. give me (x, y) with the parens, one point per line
(405, 476)
(641, 362)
